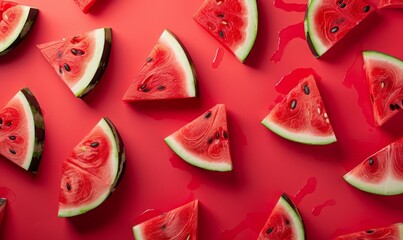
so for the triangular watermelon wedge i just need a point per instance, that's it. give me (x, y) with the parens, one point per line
(232, 22)
(390, 232)
(80, 60)
(22, 131)
(328, 21)
(284, 222)
(384, 76)
(167, 73)
(179, 223)
(381, 173)
(204, 142)
(301, 116)
(390, 4)
(85, 5)
(3, 203)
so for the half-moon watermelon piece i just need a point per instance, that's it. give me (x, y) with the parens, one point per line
(284, 222)
(167, 73)
(177, 224)
(16, 21)
(391, 232)
(301, 116)
(22, 131)
(384, 76)
(233, 23)
(380, 173)
(85, 5)
(92, 170)
(204, 142)
(390, 4)
(81, 60)
(3, 203)
(328, 21)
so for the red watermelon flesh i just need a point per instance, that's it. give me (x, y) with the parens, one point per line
(381, 173)
(328, 21)
(85, 5)
(204, 142)
(301, 115)
(284, 222)
(391, 232)
(177, 224)
(3, 203)
(384, 76)
(390, 4)
(167, 73)
(232, 22)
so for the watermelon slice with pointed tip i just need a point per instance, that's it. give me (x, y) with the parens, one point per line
(3, 203)
(177, 224)
(384, 76)
(381, 173)
(301, 116)
(204, 142)
(85, 5)
(328, 21)
(22, 131)
(391, 232)
(284, 223)
(16, 21)
(390, 4)
(232, 22)
(81, 60)
(92, 170)
(167, 73)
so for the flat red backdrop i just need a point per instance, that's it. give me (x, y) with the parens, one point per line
(233, 205)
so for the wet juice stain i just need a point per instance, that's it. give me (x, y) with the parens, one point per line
(318, 209)
(308, 188)
(290, 7)
(254, 221)
(219, 54)
(290, 80)
(178, 163)
(285, 36)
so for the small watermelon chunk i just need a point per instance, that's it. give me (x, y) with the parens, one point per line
(16, 21)
(204, 142)
(81, 60)
(92, 170)
(232, 22)
(179, 223)
(167, 73)
(391, 232)
(328, 21)
(3, 203)
(301, 116)
(384, 76)
(85, 5)
(284, 222)
(380, 173)
(22, 131)
(390, 4)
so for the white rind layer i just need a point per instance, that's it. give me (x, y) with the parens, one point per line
(305, 138)
(295, 218)
(251, 31)
(15, 34)
(194, 160)
(99, 35)
(170, 40)
(138, 233)
(378, 56)
(319, 47)
(389, 186)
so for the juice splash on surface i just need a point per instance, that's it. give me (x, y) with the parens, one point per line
(219, 54)
(178, 163)
(290, 7)
(285, 36)
(290, 80)
(308, 188)
(318, 209)
(253, 221)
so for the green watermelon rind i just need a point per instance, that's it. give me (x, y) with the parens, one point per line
(251, 31)
(317, 48)
(29, 17)
(304, 138)
(293, 212)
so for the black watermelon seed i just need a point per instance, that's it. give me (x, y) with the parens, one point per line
(13, 151)
(225, 134)
(392, 107)
(269, 230)
(217, 135)
(12, 137)
(210, 141)
(397, 106)
(146, 90)
(207, 115)
(149, 59)
(334, 29)
(221, 34)
(1, 121)
(370, 231)
(60, 70)
(163, 226)
(293, 104)
(371, 161)
(306, 89)
(287, 222)
(9, 123)
(67, 67)
(68, 186)
(367, 8)
(74, 51)
(221, 15)
(339, 2)
(343, 5)
(77, 51)
(161, 88)
(94, 144)
(143, 86)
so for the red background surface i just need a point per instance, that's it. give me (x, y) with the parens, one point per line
(233, 205)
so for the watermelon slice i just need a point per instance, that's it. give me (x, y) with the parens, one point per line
(391, 232)
(166, 74)
(81, 60)
(232, 22)
(390, 4)
(284, 222)
(301, 116)
(177, 224)
(3, 203)
(22, 131)
(16, 21)
(204, 142)
(85, 5)
(381, 173)
(384, 75)
(92, 170)
(328, 21)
